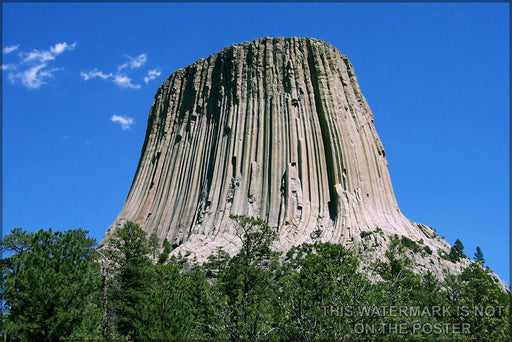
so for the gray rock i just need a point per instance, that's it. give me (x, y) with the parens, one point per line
(274, 128)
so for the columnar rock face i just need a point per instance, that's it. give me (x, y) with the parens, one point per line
(274, 128)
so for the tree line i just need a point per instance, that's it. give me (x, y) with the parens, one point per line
(56, 286)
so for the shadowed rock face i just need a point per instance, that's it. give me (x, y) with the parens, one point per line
(274, 128)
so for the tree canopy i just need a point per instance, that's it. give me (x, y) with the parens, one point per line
(55, 286)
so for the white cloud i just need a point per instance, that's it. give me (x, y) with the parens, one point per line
(39, 56)
(34, 65)
(9, 49)
(8, 67)
(33, 77)
(122, 78)
(61, 47)
(152, 74)
(125, 122)
(134, 63)
(48, 55)
(95, 73)
(138, 62)
(125, 82)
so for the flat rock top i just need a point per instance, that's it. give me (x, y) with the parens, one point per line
(276, 41)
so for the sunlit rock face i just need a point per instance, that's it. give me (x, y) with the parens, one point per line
(274, 128)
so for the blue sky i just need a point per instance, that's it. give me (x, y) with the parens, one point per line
(79, 80)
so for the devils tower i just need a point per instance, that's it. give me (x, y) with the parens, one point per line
(273, 128)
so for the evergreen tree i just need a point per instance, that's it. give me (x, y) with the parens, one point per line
(454, 256)
(129, 251)
(245, 286)
(217, 262)
(486, 307)
(154, 245)
(456, 252)
(479, 256)
(162, 258)
(168, 312)
(46, 284)
(53, 289)
(320, 282)
(459, 248)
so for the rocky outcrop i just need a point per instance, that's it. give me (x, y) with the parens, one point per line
(274, 128)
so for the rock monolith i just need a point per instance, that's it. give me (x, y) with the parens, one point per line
(273, 128)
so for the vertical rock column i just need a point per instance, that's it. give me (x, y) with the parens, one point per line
(275, 128)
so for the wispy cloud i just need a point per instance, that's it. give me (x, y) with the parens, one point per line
(61, 47)
(48, 55)
(122, 78)
(33, 68)
(8, 49)
(8, 67)
(95, 73)
(125, 82)
(134, 63)
(152, 74)
(125, 122)
(34, 76)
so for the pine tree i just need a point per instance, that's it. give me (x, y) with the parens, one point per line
(459, 248)
(479, 256)
(217, 261)
(245, 286)
(154, 245)
(47, 283)
(320, 280)
(478, 291)
(129, 251)
(167, 311)
(162, 258)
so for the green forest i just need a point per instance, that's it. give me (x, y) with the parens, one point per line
(57, 286)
